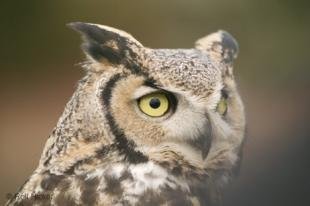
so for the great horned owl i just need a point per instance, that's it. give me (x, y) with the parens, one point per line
(144, 126)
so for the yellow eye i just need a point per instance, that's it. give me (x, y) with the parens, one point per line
(154, 104)
(222, 106)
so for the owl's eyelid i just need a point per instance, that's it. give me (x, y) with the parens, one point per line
(144, 90)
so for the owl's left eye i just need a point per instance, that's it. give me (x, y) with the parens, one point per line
(155, 104)
(222, 105)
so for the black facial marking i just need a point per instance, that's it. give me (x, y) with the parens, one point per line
(107, 91)
(123, 144)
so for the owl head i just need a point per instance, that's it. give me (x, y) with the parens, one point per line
(178, 108)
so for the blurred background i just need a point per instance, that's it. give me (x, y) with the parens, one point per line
(39, 71)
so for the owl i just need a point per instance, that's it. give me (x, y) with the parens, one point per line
(144, 126)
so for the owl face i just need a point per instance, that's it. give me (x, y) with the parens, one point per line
(144, 126)
(181, 99)
(163, 107)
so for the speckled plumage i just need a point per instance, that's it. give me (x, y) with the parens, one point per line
(104, 151)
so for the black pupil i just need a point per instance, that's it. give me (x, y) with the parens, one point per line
(155, 103)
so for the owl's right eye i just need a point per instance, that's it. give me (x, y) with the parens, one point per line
(156, 104)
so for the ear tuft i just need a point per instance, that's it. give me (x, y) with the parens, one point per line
(220, 45)
(103, 42)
